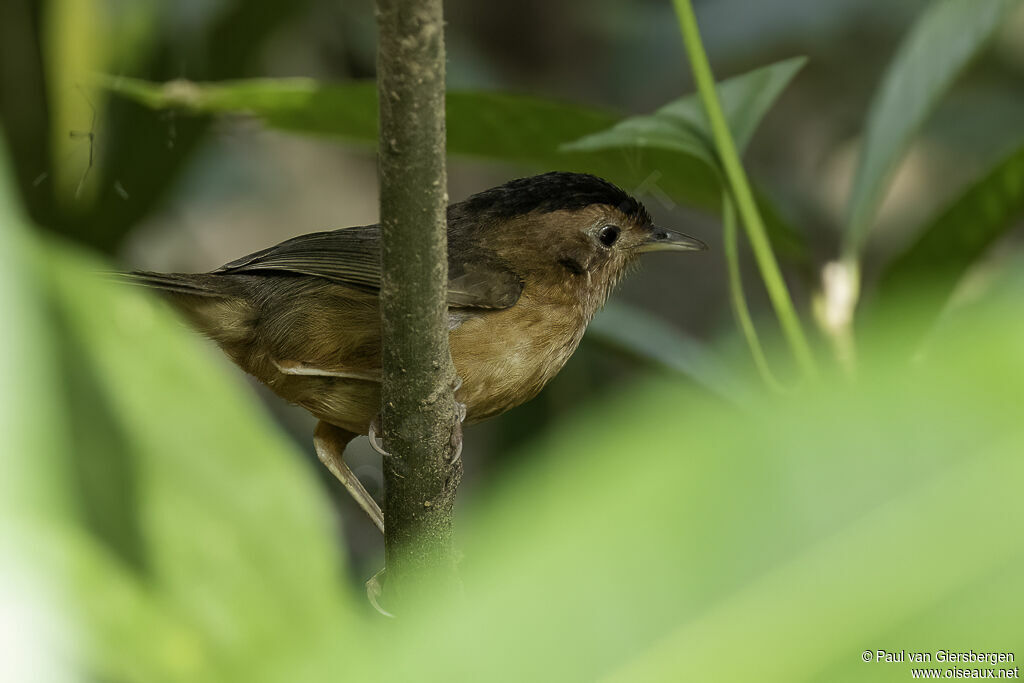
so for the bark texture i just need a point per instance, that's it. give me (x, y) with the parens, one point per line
(418, 411)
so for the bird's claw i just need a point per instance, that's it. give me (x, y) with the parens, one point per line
(374, 591)
(456, 443)
(460, 417)
(376, 443)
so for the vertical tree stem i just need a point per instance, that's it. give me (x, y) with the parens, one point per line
(741, 191)
(417, 408)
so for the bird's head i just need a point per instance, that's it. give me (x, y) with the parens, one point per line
(568, 232)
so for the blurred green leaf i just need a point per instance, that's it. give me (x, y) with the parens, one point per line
(29, 400)
(856, 569)
(938, 47)
(656, 535)
(48, 559)
(664, 537)
(656, 530)
(237, 531)
(978, 122)
(648, 338)
(121, 625)
(182, 554)
(682, 125)
(345, 110)
(486, 125)
(491, 125)
(957, 238)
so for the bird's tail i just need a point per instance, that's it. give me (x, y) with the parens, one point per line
(214, 304)
(198, 284)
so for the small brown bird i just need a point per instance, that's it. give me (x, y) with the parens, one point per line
(529, 263)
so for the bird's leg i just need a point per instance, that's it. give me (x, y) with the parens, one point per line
(330, 442)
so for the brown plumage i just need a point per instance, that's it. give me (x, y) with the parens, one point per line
(530, 262)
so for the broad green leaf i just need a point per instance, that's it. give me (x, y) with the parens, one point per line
(954, 240)
(941, 43)
(497, 126)
(144, 489)
(30, 410)
(657, 530)
(119, 625)
(855, 569)
(490, 125)
(234, 528)
(682, 125)
(643, 539)
(52, 568)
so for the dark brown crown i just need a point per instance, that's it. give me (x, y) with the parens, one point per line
(554, 191)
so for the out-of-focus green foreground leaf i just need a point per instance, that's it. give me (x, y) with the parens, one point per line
(664, 534)
(179, 533)
(667, 538)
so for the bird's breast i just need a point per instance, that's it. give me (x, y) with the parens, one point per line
(505, 357)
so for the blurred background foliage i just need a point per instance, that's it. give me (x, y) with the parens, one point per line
(654, 514)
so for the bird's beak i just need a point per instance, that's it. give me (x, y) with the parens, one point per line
(661, 239)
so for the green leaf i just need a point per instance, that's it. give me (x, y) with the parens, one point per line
(856, 568)
(144, 489)
(682, 125)
(681, 128)
(487, 125)
(657, 530)
(939, 46)
(641, 540)
(957, 238)
(497, 126)
(233, 529)
(29, 398)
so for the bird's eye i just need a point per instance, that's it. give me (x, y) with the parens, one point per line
(608, 234)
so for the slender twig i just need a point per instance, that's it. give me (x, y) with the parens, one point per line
(739, 301)
(741, 191)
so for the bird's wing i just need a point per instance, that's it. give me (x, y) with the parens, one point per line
(351, 256)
